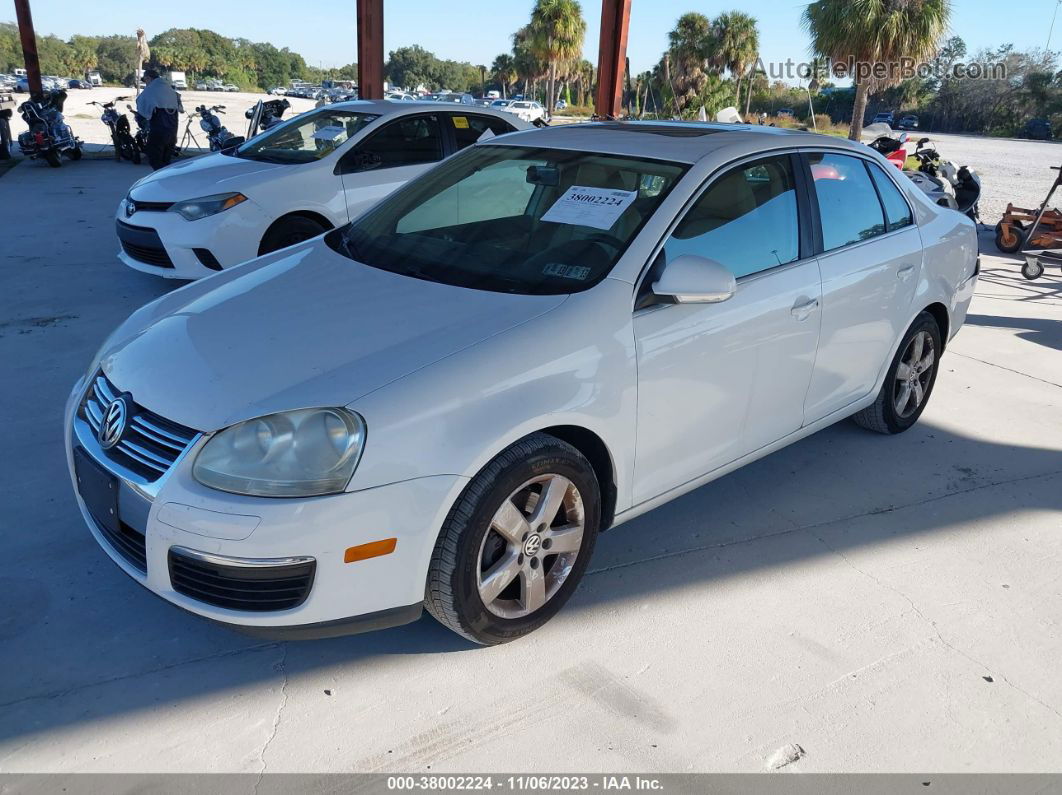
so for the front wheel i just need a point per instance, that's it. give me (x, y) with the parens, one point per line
(1009, 237)
(909, 381)
(516, 543)
(289, 231)
(53, 158)
(1032, 270)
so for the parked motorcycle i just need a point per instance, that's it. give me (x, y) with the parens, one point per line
(48, 136)
(946, 184)
(142, 130)
(265, 115)
(219, 137)
(125, 145)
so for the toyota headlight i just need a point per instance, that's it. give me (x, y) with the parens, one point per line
(291, 454)
(194, 209)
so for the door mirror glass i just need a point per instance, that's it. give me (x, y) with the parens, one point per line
(690, 279)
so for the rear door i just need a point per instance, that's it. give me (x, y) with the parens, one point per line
(388, 158)
(872, 256)
(466, 129)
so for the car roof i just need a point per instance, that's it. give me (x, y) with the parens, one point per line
(385, 107)
(684, 142)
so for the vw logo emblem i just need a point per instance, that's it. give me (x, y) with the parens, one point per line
(532, 545)
(113, 425)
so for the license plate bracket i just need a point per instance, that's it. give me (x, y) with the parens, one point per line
(99, 490)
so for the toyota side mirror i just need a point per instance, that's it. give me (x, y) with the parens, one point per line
(690, 279)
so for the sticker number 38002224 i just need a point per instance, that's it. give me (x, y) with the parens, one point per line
(599, 208)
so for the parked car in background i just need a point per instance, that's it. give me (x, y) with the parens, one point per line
(80, 84)
(308, 174)
(483, 102)
(230, 87)
(527, 110)
(94, 77)
(1037, 130)
(908, 122)
(501, 103)
(884, 118)
(461, 99)
(400, 96)
(444, 403)
(785, 113)
(178, 81)
(561, 104)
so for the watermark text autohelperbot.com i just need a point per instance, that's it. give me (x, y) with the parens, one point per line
(890, 71)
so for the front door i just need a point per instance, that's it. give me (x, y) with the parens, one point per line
(389, 158)
(716, 381)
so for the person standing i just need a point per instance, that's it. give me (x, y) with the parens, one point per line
(159, 103)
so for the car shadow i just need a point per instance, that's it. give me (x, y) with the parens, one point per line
(96, 646)
(1043, 331)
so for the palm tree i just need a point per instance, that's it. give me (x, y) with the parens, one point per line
(691, 49)
(557, 30)
(503, 72)
(865, 33)
(737, 47)
(529, 68)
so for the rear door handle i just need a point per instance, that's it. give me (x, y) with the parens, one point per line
(903, 273)
(802, 311)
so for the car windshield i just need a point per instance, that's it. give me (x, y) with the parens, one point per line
(307, 137)
(512, 219)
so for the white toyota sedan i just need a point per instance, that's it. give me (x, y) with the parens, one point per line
(444, 402)
(303, 177)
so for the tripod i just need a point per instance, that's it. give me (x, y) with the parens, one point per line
(189, 137)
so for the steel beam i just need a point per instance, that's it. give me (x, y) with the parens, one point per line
(29, 47)
(612, 56)
(370, 49)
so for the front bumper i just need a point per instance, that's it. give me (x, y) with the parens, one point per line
(177, 513)
(166, 244)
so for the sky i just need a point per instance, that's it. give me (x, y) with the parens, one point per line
(322, 31)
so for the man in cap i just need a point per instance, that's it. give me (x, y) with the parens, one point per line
(158, 103)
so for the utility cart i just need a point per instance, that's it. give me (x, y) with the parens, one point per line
(1041, 242)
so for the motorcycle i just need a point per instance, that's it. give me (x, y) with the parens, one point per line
(956, 187)
(142, 130)
(219, 137)
(265, 116)
(48, 136)
(125, 145)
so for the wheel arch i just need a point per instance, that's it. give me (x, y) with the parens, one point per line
(594, 449)
(940, 314)
(309, 214)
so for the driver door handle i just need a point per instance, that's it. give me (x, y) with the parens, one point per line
(802, 311)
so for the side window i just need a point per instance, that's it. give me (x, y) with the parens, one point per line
(746, 220)
(405, 142)
(469, 128)
(897, 211)
(848, 203)
(500, 190)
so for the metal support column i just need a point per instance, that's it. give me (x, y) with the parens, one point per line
(29, 47)
(612, 56)
(370, 49)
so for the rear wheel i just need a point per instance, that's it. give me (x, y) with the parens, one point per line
(516, 543)
(289, 231)
(909, 381)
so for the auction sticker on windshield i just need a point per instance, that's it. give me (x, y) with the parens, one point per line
(595, 207)
(329, 133)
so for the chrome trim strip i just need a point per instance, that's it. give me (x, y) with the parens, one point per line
(102, 390)
(165, 437)
(144, 456)
(250, 563)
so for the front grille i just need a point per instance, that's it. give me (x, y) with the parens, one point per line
(149, 256)
(143, 244)
(155, 207)
(149, 445)
(128, 542)
(250, 588)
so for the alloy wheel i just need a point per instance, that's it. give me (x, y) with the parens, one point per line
(913, 375)
(531, 546)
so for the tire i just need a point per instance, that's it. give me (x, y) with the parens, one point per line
(129, 149)
(116, 143)
(471, 544)
(53, 158)
(289, 231)
(1032, 271)
(884, 415)
(75, 153)
(1009, 240)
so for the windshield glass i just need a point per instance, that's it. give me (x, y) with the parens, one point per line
(513, 219)
(307, 137)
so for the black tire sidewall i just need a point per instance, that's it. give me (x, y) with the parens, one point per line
(474, 616)
(896, 423)
(279, 235)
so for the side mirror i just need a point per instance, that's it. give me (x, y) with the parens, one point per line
(690, 279)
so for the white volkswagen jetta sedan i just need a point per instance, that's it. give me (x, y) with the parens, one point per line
(443, 403)
(303, 177)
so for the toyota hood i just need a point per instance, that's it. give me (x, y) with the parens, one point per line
(299, 328)
(201, 176)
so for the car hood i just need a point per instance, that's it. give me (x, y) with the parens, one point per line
(201, 176)
(299, 328)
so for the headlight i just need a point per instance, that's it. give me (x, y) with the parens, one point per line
(292, 454)
(194, 209)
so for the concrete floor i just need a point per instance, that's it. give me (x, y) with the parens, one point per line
(885, 603)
